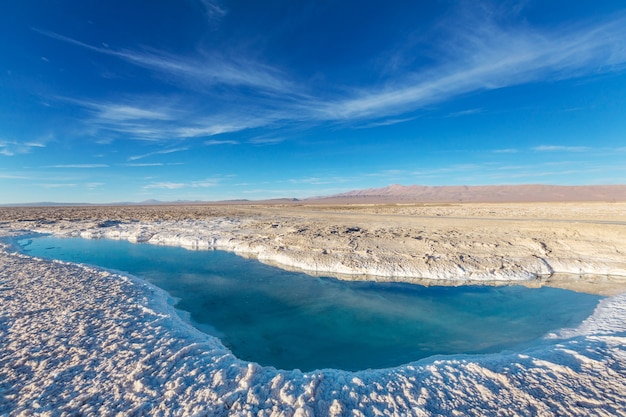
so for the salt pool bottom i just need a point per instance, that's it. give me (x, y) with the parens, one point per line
(292, 320)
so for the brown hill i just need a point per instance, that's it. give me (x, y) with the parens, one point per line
(478, 194)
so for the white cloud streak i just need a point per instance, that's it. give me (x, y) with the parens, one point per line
(465, 113)
(14, 177)
(12, 148)
(216, 127)
(215, 142)
(559, 148)
(387, 122)
(121, 112)
(210, 182)
(57, 185)
(488, 56)
(213, 10)
(155, 164)
(204, 70)
(79, 166)
(266, 140)
(206, 183)
(161, 152)
(165, 185)
(156, 119)
(481, 55)
(146, 118)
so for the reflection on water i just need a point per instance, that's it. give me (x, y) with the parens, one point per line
(292, 320)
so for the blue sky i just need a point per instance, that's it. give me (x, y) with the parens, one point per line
(208, 100)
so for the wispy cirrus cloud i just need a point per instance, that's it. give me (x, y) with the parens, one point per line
(215, 142)
(162, 119)
(266, 140)
(122, 112)
(479, 54)
(205, 69)
(387, 122)
(320, 180)
(58, 185)
(161, 152)
(79, 166)
(388, 173)
(14, 177)
(561, 148)
(206, 183)
(154, 164)
(12, 148)
(147, 118)
(467, 112)
(204, 128)
(165, 185)
(483, 55)
(209, 182)
(213, 10)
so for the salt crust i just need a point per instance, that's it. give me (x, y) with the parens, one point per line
(80, 340)
(345, 252)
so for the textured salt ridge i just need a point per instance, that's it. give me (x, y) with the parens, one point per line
(235, 235)
(79, 340)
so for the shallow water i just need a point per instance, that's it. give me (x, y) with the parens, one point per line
(292, 320)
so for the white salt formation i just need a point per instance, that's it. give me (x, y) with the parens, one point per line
(79, 340)
(454, 253)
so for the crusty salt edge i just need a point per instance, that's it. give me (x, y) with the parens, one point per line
(78, 339)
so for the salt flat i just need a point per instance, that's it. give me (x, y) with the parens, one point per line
(80, 340)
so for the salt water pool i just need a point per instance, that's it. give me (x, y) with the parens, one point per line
(293, 320)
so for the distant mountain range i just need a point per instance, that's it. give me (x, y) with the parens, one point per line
(478, 194)
(420, 194)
